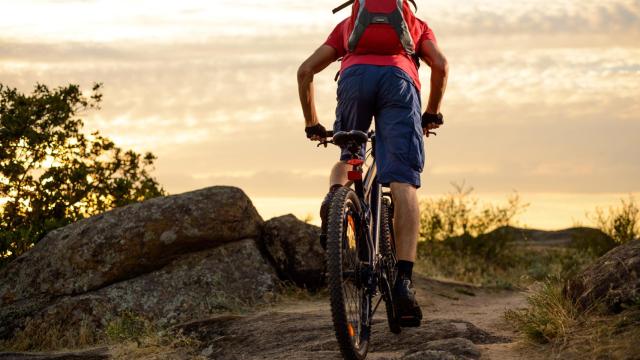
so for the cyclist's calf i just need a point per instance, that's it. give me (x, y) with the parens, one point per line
(406, 220)
(339, 174)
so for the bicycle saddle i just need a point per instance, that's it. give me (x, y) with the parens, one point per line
(344, 138)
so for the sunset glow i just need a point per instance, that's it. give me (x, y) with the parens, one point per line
(543, 95)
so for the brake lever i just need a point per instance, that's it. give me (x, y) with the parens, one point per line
(325, 143)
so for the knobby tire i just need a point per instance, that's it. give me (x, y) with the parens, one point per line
(345, 202)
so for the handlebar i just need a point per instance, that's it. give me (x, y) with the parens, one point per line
(329, 139)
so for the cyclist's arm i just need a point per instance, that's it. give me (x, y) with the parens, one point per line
(317, 62)
(431, 54)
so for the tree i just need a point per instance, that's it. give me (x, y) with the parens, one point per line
(52, 174)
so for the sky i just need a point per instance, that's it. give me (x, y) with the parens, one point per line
(543, 97)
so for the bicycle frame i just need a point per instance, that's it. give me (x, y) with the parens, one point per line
(361, 206)
(369, 191)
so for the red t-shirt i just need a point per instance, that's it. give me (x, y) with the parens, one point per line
(339, 40)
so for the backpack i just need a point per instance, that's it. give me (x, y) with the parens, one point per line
(380, 27)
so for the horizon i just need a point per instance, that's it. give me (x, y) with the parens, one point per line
(542, 98)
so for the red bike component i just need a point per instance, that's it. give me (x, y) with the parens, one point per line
(354, 175)
(355, 162)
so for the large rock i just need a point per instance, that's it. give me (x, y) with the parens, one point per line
(128, 241)
(613, 280)
(88, 256)
(294, 248)
(227, 278)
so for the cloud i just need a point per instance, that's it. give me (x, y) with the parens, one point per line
(513, 115)
(474, 17)
(534, 101)
(170, 21)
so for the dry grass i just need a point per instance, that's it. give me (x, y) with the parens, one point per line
(39, 336)
(549, 315)
(604, 337)
(129, 334)
(158, 345)
(566, 333)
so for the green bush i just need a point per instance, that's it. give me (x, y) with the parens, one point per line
(517, 267)
(621, 223)
(460, 214)
(53, 173)
(128, 326)
(466, 241)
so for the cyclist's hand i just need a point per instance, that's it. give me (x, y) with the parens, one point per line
(427, 130)
(316, 132)
(431, 122)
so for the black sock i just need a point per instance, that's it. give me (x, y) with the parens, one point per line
(405, 269)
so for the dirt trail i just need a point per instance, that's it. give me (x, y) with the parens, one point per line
(469, 317)
(461, 322)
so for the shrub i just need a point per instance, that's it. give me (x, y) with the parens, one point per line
(621, 223)
(128, 326)
(548, 317)
(458, 214)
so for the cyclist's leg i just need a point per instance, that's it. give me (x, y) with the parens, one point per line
(400, 155)
(339, 174)
(406, 220)
(400, 159)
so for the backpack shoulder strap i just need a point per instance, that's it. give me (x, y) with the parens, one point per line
(346, 4)
(399, 24)
(364, 18)
(415, 7)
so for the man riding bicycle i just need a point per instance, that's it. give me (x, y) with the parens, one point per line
(380, 45)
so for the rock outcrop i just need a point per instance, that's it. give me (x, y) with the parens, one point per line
(612, 281)
(288, 335)
(170, 259)
(294, 248)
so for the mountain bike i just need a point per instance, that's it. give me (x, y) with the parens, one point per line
(360, 248)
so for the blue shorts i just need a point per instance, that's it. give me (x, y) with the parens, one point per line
(387, 94)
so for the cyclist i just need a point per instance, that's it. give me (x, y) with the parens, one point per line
(385, 87)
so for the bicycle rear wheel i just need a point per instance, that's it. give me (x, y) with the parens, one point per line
(388, 251)
(350, 302)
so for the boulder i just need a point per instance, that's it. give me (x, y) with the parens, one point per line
(227, 278)
(613, 280)
(128, 241)
(294, 248)
(104, 251)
